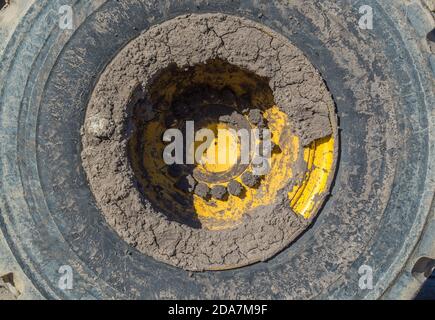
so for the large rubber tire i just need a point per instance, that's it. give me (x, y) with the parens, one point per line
(380, 212)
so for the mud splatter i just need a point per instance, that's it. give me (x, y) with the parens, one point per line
(185, 42)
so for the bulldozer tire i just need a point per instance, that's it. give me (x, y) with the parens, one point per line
(373, 237)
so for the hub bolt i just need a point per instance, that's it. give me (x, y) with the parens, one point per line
(202, 190)
(186, 184)
(250, 180)
(235, 188)
(219, 192)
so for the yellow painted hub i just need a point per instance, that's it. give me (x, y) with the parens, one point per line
(306, 170)
(224, 150)
(229, 212)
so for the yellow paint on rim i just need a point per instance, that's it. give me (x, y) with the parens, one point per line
(309, 169)
(217, 214)
(213, 214)
(306, 198)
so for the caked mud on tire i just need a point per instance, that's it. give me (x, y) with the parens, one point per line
(379, 211)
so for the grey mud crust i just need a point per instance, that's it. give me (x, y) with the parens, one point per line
(380, 210)
(183, 43)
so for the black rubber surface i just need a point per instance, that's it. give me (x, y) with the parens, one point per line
(48, 213)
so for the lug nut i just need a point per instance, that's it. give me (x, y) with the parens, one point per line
(250, 180)
(219, 192)
(202, 190)
(235, 188)
(255, 116)
(186, 184)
